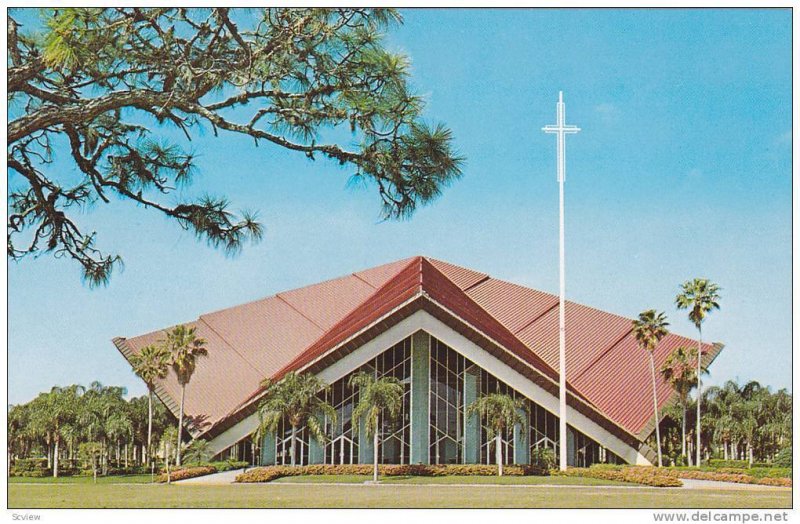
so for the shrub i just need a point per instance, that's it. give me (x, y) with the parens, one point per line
(784, 458)
(187, 473)
(225, 465)
(30, 467)
(647, 476)
(742, 464)
(737, 475)
(270, 473)
(544, 458)
(681, 460)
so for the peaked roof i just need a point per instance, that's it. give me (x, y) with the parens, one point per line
(608, 374)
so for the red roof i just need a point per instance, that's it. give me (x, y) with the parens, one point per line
(290, 330)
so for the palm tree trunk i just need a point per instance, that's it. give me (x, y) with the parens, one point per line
(149, 420)
(683, 432)
(180, 427)
(498, 453)
(699, 387)
(655, 407)
(750, 454)
(291, 450)
(725, 449)
(166, 455)
(375, 452)
(55, 458)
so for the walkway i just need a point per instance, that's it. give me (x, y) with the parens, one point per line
(716, 484)
(223, 477)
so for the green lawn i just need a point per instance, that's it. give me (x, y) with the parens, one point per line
(114, 479)
(394, 495)
(455, 479)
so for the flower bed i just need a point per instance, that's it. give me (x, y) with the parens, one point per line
(270, 473)
(638, 475)
(187, 473)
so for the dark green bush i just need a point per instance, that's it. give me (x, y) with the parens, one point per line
(718, 463)
(30, 467)
(544, 458)
(784, 458)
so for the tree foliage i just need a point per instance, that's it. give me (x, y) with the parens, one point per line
(296, 399)
(649, 329)
(700, 296)
(738, 418)
(376, 397)
(109, 84)
(82, 419)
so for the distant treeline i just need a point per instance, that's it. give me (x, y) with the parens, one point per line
(79, 427)
(740, 422)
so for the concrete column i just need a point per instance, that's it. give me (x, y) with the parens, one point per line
(420, 393)
(365, 447)
(268, 450)
(472, 423)
(570, 447)
(522, 449)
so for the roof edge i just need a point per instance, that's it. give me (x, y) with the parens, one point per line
(121, 343)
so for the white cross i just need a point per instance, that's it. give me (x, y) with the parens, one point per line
(561, 129)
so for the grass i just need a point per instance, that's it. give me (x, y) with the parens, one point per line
(111, 479)
(393, 495)
(454, 479)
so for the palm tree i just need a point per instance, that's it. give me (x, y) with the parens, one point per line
(376, 397)
(197, 452)
(151, 364)
(295, 398)
(700, 296)
(169, 436)
(184, 348)
(678, 370)
(501, 412)
(649, 329)
(57, 410)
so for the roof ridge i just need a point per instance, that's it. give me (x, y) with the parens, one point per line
(487, 313)
(347, 315)
(340, 277)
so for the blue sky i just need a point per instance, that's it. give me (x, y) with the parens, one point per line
(682, 170)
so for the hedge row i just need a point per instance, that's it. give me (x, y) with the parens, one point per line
(636, 475)
(753, 472)
(270, 473)
(187, 473)
(742, 464)
(721, 476)
(220, 465)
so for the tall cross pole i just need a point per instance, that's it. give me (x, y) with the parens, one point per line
(560, 129)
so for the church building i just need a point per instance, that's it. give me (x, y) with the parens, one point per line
(450, 335)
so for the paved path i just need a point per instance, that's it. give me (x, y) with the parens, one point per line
(224, 477)
(716, 484)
